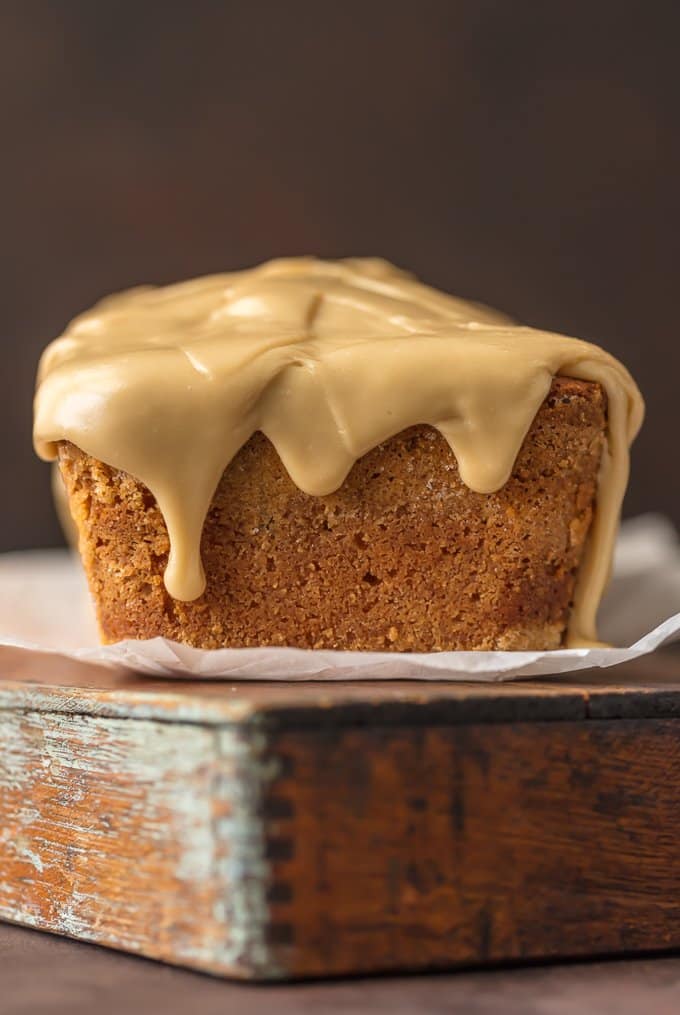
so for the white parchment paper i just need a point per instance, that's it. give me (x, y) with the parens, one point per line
(44, 607)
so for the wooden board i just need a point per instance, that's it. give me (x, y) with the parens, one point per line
(265, 830)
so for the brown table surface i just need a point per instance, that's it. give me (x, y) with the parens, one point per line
(40, 973)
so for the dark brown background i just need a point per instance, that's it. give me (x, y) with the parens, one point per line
(520, 152)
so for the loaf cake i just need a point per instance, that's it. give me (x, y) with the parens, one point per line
(331, 455)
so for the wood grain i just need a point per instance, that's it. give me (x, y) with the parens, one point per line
(414, 849)
(272, 831)
(136, 834)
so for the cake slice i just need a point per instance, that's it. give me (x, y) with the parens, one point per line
(331, 455)
(402, 556)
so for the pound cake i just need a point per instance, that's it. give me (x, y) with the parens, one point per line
(334, 455)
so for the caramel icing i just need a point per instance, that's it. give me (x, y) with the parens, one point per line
(327, 359)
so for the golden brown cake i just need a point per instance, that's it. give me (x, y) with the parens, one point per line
(403, 556)
(330, 455)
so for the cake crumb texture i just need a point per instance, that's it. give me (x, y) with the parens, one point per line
(403, 557)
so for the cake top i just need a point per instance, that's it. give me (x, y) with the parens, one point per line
(328, 359)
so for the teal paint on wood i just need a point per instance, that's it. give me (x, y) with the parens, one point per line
(136, 834)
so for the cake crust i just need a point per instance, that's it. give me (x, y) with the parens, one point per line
(402, 557)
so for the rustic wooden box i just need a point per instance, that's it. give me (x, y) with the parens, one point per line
(270, 831)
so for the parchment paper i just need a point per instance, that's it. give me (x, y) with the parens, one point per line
(44, 607)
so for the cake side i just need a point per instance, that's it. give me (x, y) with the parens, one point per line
(403, 556)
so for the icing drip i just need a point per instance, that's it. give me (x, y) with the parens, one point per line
(327, 359)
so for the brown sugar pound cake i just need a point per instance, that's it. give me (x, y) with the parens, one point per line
(403, 555)
(331, 455)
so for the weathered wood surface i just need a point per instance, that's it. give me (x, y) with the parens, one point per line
(648, 687)
(395, 850)
(272, 830)
(139, 834)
